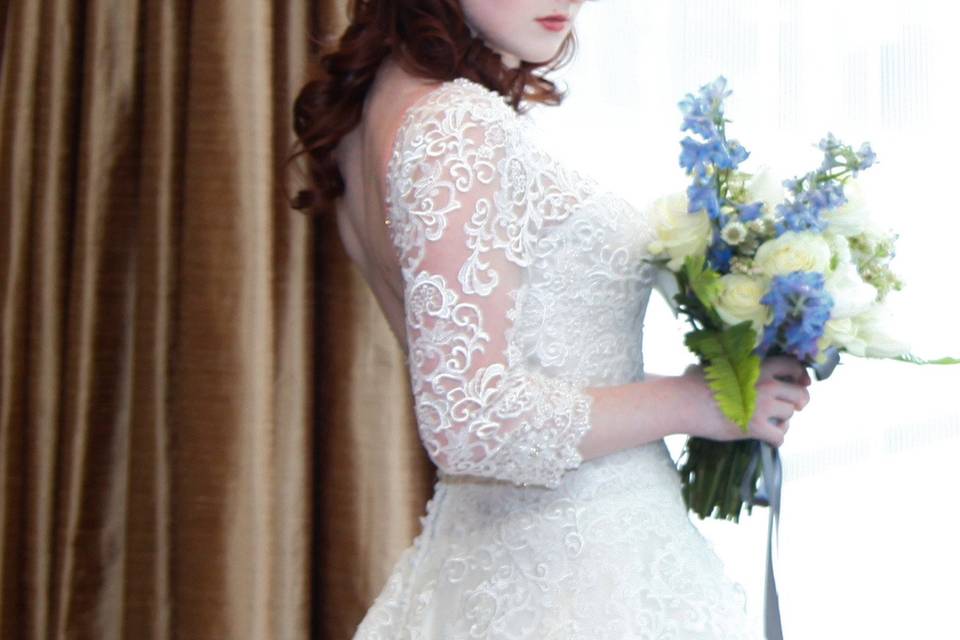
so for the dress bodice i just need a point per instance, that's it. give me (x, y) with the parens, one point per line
(580, 312)
(524, 284)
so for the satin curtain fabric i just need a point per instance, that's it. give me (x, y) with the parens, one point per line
(205, 428)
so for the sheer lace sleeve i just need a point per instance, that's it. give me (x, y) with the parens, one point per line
(466, 212)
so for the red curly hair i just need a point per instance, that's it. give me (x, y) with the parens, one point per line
(430, 39)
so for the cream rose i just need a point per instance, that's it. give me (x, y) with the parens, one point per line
(851, 295)
(739, 300)
(793, 251)
(679, 234)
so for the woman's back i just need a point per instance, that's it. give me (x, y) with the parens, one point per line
(362, 157)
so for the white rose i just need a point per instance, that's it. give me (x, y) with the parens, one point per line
(842, 332)
(767, 188)
(793, 251)
(851, 295)
(873, 329)
(679, 234)
(739, 300)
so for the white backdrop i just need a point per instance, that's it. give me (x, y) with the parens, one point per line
(869, 528)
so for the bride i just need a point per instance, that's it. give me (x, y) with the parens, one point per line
(517, 289)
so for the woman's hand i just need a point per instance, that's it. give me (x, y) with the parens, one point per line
(781, 391)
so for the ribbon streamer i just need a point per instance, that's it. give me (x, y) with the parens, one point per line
(769, 496)
(772, 476)
(772, 483)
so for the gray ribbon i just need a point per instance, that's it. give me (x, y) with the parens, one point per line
(769, 496)
(772, 477)
(772, 482)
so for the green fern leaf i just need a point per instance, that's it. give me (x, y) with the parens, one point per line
(731, 368)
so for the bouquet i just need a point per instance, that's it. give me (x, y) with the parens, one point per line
(764, 267)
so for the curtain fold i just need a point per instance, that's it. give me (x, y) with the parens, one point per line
(373, 476)
(205, 423)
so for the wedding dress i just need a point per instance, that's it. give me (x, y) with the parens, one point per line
(524, 285)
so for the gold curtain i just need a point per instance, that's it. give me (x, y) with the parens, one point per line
(205, 428)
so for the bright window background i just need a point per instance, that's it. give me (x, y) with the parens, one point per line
(869, 530)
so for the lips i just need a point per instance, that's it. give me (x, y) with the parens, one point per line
(555, 22)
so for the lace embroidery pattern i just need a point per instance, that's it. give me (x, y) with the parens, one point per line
(610, 557)
(524, 285)
(473, 206)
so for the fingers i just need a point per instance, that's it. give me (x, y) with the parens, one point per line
(786, 368)
(772, 419)
(782, 390)
(779, 411)
(781, 434)
(774, 435)
(795, 394)
(803, 380)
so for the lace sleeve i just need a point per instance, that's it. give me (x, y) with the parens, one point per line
(463, 213)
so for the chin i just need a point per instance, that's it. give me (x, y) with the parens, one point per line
(538, 57)
(535, 52)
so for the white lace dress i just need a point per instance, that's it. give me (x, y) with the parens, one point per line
(525, 285)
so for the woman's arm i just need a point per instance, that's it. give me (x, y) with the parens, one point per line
(630, 415)
(480, 409)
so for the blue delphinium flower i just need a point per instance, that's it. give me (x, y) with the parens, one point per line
(695, 155)
(720, 254)
(800, 308)
(804, 212)
(703, 195)
(829, 143)
(838, 155)
(797, 216)
(750, 211)
(829, 196)
(794, 185)
(866, 158)
(716, 92)
(817, 191)
(736, 154)
(703, 159)
(702, 112)
(698, 117)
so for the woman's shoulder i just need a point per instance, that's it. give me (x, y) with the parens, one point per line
(462, 120)
(455, 120)
(460, 103)
(464, 93)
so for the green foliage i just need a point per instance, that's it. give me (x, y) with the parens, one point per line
(912, 359)
(704, 281)
(712, 474)
(732, 368)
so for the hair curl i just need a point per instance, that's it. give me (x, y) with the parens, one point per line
(430, 39)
